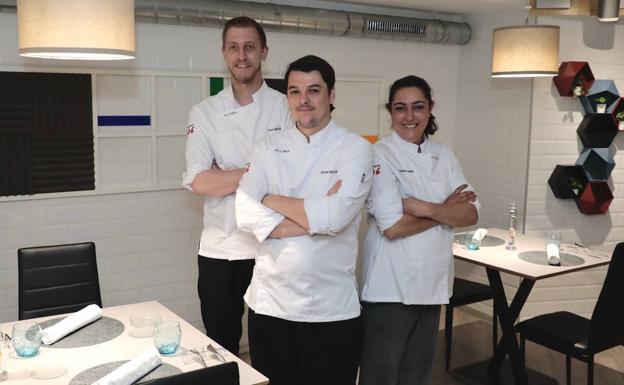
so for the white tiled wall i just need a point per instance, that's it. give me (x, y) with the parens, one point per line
(124, 162)
(499, 127)
(172, 93)
(554, 141)
(145, 243)
(492, 136)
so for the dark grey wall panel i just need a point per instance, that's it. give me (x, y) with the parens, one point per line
(53, 113)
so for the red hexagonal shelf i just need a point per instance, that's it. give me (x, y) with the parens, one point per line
(573, 74)
(595, 198)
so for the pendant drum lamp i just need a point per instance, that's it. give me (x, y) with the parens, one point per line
(608, 10)
(76, 29)
(525, 51)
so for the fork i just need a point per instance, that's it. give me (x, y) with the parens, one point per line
(587, 251)
(194, 350)
(219, 355)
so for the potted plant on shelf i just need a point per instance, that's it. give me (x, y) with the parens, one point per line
(576, 185)
(620, 119)
(578, 89)
(601, 104)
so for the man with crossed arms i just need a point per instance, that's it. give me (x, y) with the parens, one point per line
(220, 134)
(301, 198)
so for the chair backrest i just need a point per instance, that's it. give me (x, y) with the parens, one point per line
(606, 327)
(224, 374)
(57, 279)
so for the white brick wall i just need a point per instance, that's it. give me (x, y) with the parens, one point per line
(137, 260)
(499, 119)
(492, 137)
(554, 141)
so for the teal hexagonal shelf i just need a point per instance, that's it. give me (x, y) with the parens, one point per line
(602, 93)
(597, 162)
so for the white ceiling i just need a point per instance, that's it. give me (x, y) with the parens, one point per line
(449, 6)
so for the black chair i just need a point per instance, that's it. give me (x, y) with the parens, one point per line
(466, 292)
(224, 374)
(579, 337)
(57, 279)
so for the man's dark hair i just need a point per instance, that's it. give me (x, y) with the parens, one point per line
(311, 63)
(244, 22)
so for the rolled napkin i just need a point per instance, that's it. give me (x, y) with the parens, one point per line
(552, 251)
(70, 323)
(479, 234)
(132, 370)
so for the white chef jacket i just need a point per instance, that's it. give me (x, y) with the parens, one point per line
(309, 278)
(417, 269)
(222, 132)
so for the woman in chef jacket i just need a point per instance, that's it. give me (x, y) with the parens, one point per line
(419, 195)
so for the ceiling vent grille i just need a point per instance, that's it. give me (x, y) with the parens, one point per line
(375, 25)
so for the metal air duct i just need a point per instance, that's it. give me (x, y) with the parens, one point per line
(284, 18)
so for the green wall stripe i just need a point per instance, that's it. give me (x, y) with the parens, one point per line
(216, 85)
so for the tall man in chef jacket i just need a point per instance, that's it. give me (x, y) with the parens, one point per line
(301, 197)
(220, 133)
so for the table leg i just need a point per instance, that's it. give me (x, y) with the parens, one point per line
(507, 316)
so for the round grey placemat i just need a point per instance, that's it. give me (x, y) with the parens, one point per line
(102, 330)
(488, 241)
(540, 258)
(87, 377)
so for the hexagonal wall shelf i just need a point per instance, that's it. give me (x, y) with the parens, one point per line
(602, 92)
(597, 162)
(586, 181)
(597, 130)
(567, 182)
(595, 198)
(573, 74)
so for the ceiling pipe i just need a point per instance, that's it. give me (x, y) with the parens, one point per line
(293, 19)
(285, 18)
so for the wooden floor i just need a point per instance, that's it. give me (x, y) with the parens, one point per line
(472, 342)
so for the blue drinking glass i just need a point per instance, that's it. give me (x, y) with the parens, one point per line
(167, 335)
(26, 338)
(470, 243)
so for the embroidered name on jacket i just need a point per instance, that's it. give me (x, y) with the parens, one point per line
(274, 129)
(281, 150)
(406, 170)
(329, 171)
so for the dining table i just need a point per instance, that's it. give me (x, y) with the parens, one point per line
(528, 261)
(94, 350)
